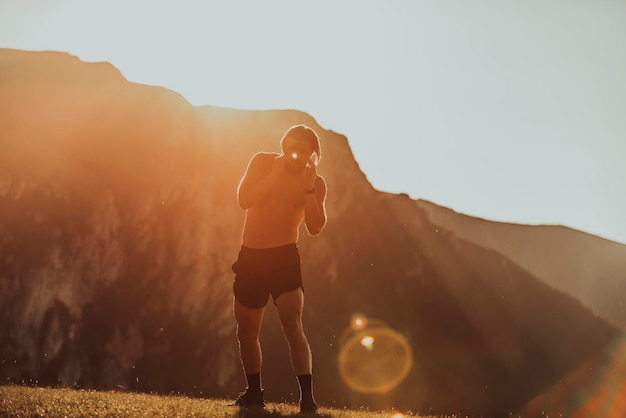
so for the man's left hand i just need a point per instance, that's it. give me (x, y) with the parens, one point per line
(310, 174)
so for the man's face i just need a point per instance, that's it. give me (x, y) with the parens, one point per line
(297, 151)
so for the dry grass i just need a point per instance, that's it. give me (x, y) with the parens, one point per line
(19, 401)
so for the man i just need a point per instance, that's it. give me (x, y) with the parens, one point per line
(278, 192)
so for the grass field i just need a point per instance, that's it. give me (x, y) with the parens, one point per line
(24, 402)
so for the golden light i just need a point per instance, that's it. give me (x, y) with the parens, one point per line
(368, 342)
(358, 322)
(374, 360)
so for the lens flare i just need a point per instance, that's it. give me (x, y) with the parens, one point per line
(358, 322)
(368, 342)
(294, 156)
(374, 359)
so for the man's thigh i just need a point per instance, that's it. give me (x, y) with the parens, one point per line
(290, 305)
(248, 319)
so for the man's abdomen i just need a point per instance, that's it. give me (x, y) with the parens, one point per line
(270, 231)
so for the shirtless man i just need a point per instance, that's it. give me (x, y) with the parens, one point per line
(278, 192)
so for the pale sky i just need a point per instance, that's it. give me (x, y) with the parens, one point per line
(507, 110)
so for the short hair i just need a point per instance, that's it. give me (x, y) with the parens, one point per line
(306, 133)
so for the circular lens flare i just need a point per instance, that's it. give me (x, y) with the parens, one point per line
(374, 360)
(294, 156)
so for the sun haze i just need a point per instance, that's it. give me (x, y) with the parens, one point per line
(507, 111)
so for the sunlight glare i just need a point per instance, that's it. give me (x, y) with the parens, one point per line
(368, 342)
(358, 322)
(373, 358)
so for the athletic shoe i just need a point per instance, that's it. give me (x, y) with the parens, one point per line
(308, 407)
(250, 399)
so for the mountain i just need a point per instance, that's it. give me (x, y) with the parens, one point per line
(587, 267)
(119, 225)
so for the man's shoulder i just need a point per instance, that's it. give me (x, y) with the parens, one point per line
(262, 161)
(262, 156)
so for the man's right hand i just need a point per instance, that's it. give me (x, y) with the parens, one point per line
(278, 166)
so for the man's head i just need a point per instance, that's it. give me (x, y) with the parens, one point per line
(300, 143)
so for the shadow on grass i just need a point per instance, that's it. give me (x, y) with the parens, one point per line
(269, 412)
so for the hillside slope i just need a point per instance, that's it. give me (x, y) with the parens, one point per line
(589, 268)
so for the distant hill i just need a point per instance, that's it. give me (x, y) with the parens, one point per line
(587, 267)
(119, 226)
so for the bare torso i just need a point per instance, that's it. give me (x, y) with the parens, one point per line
(275, 220)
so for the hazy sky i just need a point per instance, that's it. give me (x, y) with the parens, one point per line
(507, 110)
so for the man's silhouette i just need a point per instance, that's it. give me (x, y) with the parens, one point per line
(278, 192)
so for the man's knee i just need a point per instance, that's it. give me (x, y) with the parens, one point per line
(292, 326)
(247, 335)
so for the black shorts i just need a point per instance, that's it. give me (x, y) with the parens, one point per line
(261, 272)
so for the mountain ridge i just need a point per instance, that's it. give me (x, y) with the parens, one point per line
(589, 268)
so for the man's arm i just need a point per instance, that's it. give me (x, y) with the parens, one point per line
(257, 181)
(314, 207)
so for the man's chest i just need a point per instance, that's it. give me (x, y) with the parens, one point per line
(288, 192)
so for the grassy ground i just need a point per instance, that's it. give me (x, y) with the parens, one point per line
(26, 402)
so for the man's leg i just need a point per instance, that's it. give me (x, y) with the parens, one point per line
(290, 306)
(248, 329)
